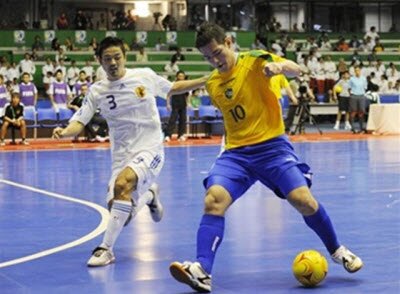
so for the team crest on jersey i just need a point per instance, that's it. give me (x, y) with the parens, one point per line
(140, 91)
(229, 93)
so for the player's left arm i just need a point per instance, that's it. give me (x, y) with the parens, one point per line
(286, 67)
(179, 87)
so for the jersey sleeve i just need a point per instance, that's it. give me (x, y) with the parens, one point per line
(86, 112)
(161, 86)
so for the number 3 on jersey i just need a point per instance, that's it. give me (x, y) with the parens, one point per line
(111, 101)
(238, 113)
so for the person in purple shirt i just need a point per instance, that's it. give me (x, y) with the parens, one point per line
(82, 80)
(28, 91)
(59, 92)
(3, 93)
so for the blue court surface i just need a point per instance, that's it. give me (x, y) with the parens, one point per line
(52, 216)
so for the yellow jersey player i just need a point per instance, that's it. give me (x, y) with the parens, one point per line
(256, 150)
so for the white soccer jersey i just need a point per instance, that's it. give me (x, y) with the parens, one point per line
(129, 106)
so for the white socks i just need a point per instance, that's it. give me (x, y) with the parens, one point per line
(120, 212)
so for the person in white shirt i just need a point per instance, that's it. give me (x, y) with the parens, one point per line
(141, 56)
(48, 71)
(171, 68)
(3, 70)
(12, 72)
(392, 73)
(72, 74)
(63, 69)
(88, 69)
(27, 65)
(372, 34)
(126, 100)
(331, 73)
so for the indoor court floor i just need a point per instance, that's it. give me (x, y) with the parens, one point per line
(52, 215)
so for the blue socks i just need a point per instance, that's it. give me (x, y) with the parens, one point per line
(209, 237)
(321, 224)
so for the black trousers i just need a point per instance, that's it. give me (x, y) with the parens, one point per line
(175, 113)
(101, 123)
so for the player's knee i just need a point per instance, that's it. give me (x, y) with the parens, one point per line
(121, 189)
(302, 199)
(217, 201)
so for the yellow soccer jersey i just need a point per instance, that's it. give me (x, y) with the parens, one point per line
(280, 82)
(248, 100)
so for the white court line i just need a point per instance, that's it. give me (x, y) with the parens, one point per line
(100, 228)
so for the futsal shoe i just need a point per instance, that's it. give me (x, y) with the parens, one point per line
(156, 208)
(101, 257)
(192, 274)
(348, 259)
(347, 126)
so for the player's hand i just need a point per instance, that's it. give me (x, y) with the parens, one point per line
(57, 133)
(272, 69)
(295, 101)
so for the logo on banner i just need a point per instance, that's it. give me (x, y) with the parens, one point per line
(49, 36)
(141, 37)
(172, 37)
(80, 37)
(19, 37)
(111, 34)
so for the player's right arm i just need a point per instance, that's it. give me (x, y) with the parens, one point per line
(74, 128)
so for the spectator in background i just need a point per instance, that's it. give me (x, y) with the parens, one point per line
(358, 101)
(378, 46)
(80, 21)
(342, 45)
(61, 66)
(257, 45)
(60, 55)
(62, 22)
(28, 91)
(69, 45)
(326, 44)
(102, 24)
(354, 43)
(46, 69)
(4, 95)
(372, 35)
(135, 46)
(93, 44)
(178, 56)
(141, 56)
(88, 69)
(157, 26)
(171, 68)
(14, 116)
(331, 75)
(195, 99)
(37, 44)
(27, 65)
(177, 105)
(82, 80)
(165, 22)
(3, 69)
(12, 72)
(59, 92)
(235, 46)
(392, 73)
(72, 74)
(342, 67)
(55, 45)
(159, 45)
(341, 93)
(100, 134)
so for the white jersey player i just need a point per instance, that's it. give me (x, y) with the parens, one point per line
(127, 101)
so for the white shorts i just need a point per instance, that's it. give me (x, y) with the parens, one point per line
(146, 164)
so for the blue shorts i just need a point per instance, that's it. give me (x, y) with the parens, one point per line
(273, 163)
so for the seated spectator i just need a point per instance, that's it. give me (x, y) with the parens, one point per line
(178, 56)
(101, 133)
(326, 44)
(37, 44)
(160, 46)
(195, 99)
(135, 46)
(354, 42)
(257, 45)
(342, 45)
(342, 66)
(171, 68)
(93, 44)
(59, 92)
(27, 65)
(102, 24)
(141, 56)
(88, 69)
(383, 84)
(60, 55)
(378, 46)
(72, 74)
(63, 69)
(55, 45)
(14, 117)
(392, 73)
(69, 45)
(47, 72)
(80, 21)
(372, 35)
(291, 45)
(62, 22)
(28, 91)
(12, 72)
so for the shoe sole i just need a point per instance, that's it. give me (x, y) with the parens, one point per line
(356, 270)
(100, 265)
(181, 276)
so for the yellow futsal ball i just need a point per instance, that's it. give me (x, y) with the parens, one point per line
(338, 89)
(310, 268)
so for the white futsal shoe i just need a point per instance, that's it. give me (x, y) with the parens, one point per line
(156, 208)
(192, 274)
(101, 257)
(348, 259)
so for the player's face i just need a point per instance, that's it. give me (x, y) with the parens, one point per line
(26, 79)
(220, 56)
(113, 62)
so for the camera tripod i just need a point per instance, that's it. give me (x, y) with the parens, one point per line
(301, 115)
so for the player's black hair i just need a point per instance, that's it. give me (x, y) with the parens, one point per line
(180, 72)
(57, 71)
(109, 42)
(207, 32)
